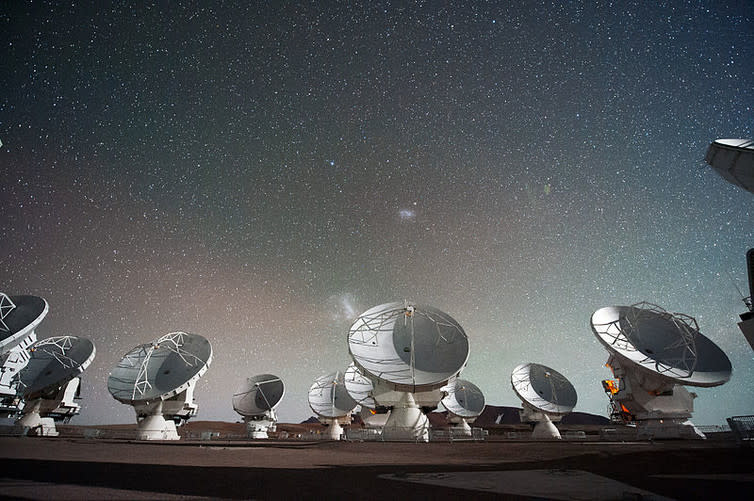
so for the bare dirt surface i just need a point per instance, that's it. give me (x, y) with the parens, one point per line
(59, 468)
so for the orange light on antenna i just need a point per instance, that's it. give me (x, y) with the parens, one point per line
(610, 386)
(373, 411)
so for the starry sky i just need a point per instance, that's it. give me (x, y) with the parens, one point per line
(261, 174)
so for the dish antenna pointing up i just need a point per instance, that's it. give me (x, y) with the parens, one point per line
(547, 396)
(256, 400)
(158, 380)
(332, 403)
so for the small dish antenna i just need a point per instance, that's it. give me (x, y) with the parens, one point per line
(332, 403)
(256, 400)
(464, 403)
(733, 159)
(654, 354)
(409, 352)
(158, 380)
(50, 382)
(546, 395)
(747, 318)
(19, 317)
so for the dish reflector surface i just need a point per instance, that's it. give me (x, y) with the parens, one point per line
(733, 159)
(668, 344)
(359, 387)
(19, 315)
(53, 362)
(161, 369)
(543, 388)
(258, 395)
(408, 345)
(464, 399)
(329, 398)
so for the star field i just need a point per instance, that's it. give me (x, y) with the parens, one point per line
(262, 174)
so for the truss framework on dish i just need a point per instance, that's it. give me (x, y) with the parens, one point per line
(409, 353)
(50, 382)
(654, 354)
(158, 380)
(546, 397)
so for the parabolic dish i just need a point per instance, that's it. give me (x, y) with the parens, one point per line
(258, 394)
(329, 398)
(161, 369)
(20, 315)
(359, 387)
(464, 399)
(410, 346)
(668, 344)
(52, 363)
(733, 159)
(543, 388)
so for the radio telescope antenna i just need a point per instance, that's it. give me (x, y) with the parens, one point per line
(19, 317)
(329, 399)
(256, 400)
(747, 318)
(158, 380)
(409, 352)
(546, 395)
(50, 381)
(733, 159)
(654, 354)
(464, 403)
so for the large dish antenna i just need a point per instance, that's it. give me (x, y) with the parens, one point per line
(412, 347)
(332, 403)
(546, 395)
(409, 352)
(464, 403)
(158, 379)
(256, 400)
(747, 318)
(19, 317)
(733, 159)
(653, 353)
(49, 382)
(359, 387)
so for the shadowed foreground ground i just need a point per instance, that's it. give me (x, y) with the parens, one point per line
(36, 468)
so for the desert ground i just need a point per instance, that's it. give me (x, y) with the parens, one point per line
(72, 466)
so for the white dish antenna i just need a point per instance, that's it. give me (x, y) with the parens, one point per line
(256, 400)
(332, 403)
(158, 379)
(19, 316)
(409, 352)
(546, 396)
(653, 353)
(464, 403)
(733, 159)
(359, 387)
(49, 381)
(411, 347)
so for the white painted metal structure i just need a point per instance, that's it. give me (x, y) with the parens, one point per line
(330, 400)
(409, 352)
(653, 354)
(747, 319)
(158, 380)
(733, 159)
(546, 395)
(256, 400)
(19, 317)
(464, 403)
(48, 383)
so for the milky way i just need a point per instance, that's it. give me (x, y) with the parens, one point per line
(259, 175)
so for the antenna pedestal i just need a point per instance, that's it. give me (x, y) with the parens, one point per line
(258, 426)
(406, 423)
(747, 327)
(544, 429)
(33, 420)
(461, 428)
(11, 362)
(659, 407)
(153, 425)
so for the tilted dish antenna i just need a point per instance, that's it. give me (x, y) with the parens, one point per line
(409, 352)
(733, 159)
(256, 400)
(50, 381)
(158, 380)
(747, 318)
(546, 395)
(360, 387)
(654, 354)
(330, 400)
(19, 317)
(464, 403)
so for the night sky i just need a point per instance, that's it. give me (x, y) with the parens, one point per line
(260, 175)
